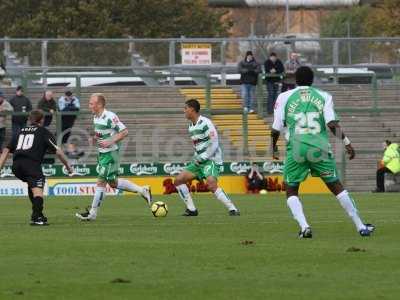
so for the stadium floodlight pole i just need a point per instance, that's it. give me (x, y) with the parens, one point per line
(287, 27)
(44, 60)
(349, 42)
(287, 17)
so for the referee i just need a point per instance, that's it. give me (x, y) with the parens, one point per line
(28, 149)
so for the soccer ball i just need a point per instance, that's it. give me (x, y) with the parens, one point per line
(263, 192)
(159, 209)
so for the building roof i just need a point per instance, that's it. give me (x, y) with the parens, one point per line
(282, 3)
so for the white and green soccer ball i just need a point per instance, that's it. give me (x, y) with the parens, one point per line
(159, 209)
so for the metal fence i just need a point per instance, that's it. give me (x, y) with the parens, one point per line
(92, 54)
(374, 90)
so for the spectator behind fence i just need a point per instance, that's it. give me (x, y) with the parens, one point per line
(274, 70)
(255, 180)
(249, 70)
(68, 103)
(4, 108)
(390, 164)
(49, 106)
(20, 104)
(73, 154)
(291, 65)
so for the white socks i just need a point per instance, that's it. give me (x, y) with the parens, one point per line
(296, 208)
(126, 185)
(99, 195)
(221, 196)
(184, 193)
(349, 206)
(345, 201)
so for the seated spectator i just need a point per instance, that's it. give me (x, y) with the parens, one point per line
(49, 106)
(255, 180)
(68, 103)
(390, 163)
(4, 107)
(73, 154)
(169, 186)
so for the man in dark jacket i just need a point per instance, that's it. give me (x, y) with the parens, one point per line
(274, 70)
(20, 103)
(68, 104)
(49, 106)
(249, 70)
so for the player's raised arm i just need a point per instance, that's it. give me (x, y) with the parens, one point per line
(122, 132)
(59, 153)
(275, 137)
(333, 124)
(7, 150)
(338, 132)
(3, 157)
(63, 159)
(277, 125)
(116, 138)
(212, 143)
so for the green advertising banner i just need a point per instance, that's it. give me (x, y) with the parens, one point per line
(152, 169)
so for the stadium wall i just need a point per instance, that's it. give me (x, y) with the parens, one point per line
(161, 185)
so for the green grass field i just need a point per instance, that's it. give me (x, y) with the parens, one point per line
(128, 254)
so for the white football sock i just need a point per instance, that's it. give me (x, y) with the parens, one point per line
(129, 186)
(296, 208)
(221, 196)
(184, 193)
(99, 196)
(349, 206)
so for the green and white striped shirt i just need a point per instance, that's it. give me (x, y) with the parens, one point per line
(205, 141)
(105, 126)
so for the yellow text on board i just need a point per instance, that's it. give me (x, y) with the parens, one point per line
(196, 46)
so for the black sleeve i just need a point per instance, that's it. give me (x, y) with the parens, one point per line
(242, 68)
(50, 141)
(28, 105)
(54, 105)
(12, 144)
(257, 68)
(279, 67)
(40, 104)
(268, 66)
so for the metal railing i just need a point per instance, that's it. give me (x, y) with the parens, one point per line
(31, 80)
(206, 110)
(244, 153)
(156, 134)
(136, 54)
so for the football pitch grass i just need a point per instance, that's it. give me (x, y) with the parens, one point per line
(128, 254)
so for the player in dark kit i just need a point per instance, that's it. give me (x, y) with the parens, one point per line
(28, 150)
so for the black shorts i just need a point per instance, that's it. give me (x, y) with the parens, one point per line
(29, 171)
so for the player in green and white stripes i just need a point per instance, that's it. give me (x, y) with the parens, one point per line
(109, 132)
(206, 162)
